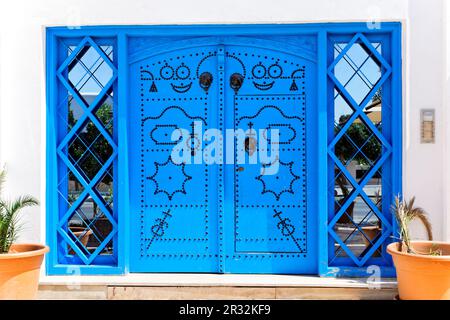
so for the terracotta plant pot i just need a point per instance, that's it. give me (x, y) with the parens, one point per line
(371, 232)
(82, 234)
(19, 271)
(422, 277)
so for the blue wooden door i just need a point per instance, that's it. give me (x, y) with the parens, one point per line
(270, 202)
(253, 214)
(173, 217)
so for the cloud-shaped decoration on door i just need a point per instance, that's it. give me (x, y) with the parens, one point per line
(174, 109)
(287, 133)
(269, 108)
(161, 134)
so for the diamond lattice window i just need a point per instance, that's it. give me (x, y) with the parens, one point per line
(87, 152)
(360, 223)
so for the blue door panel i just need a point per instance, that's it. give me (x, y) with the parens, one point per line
(223, 217)
(174, 230)
(273, 225)
(258, 196)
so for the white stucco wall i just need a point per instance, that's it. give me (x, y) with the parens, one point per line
(22, 77)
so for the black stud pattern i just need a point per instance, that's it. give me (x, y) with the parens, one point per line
(147, 75)
(183, 72)
(176, 73)
(154, 108)
(177, 108)
(269, 72)
(181, 188)
(243, 69)
(259, 71)
(286, 228)
(166, 72)
(292, 108)
(202, 61)
(277, 193)
(160, 114)
(275, 71)
(268, 107)
(280, 125)
(220, 186)
(159, 228)
(165, 142)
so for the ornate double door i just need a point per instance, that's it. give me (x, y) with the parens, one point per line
(222, 157)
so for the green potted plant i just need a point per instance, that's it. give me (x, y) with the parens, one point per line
(19, 263)
(423, 267)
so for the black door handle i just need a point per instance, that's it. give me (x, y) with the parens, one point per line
(205, 80)
(236, 81)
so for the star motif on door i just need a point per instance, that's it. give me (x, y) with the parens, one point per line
(170, 178)
(274, 184)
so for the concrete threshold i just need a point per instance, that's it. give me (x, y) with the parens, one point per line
(213, 286)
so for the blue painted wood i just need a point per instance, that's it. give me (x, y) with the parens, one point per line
(123, 194)
(181, 212)
(397, 108)
(228, 30)
(322, 143)
(221, 252)
(172, 215)
(274, 219)
(66, 247)
(391, 149)
(51, 162)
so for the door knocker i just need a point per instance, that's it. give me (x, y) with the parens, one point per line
(236, 81)
(250, 145)
(205, 80)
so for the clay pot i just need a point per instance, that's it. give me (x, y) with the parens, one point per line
(422, 277)
(371, 232)
(19, 271)
(82, 234)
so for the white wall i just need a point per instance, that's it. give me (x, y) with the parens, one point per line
(22, 91)
(446, 117)
(425, 61)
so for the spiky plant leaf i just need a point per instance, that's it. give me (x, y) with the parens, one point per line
(10, 225)
(405, 212)
(2, 180)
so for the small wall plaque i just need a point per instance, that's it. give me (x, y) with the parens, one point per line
(427, 122)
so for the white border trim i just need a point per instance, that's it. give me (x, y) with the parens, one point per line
(221, 280)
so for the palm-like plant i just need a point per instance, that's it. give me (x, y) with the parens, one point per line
(10, 224)
(405, 213)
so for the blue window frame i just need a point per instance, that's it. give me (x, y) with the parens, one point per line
(88, 127)
(363, 148)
